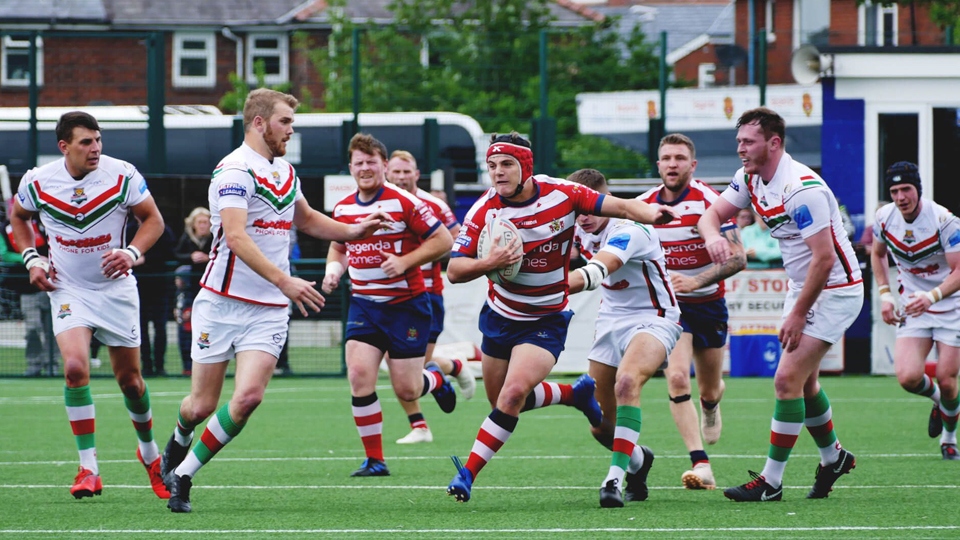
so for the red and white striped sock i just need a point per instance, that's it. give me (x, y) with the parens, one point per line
(548, 393)
(431, 381)
(369, 419)
(494, 432)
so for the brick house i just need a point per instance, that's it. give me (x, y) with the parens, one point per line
(827, 23)
(95, 51)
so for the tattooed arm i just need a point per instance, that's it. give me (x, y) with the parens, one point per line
(718, 272)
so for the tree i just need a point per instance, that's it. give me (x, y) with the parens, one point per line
(232, 102)
(482, 58)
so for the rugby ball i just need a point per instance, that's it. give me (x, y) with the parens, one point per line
(503, 230)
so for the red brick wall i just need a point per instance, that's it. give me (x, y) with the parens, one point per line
(79, 71)
(843, 32)
(687, 68)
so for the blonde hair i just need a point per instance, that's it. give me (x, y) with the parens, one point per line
(191, 219)
(406, 156)
(261, 102)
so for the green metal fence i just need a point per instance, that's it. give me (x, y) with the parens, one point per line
(315, 343)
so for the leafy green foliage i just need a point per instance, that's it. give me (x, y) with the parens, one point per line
(232, 101)
(482, 59)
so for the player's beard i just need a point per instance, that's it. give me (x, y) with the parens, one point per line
(683, 180)
(276, 145)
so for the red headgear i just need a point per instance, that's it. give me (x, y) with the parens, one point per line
(522, 154)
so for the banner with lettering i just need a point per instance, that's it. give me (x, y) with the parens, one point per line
(755, 303)
(754, 299)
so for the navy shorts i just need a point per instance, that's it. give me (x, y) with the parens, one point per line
(436, 321)
(399, 329)
(501, 335)
(706, 321)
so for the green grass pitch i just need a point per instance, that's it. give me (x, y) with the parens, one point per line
(287, 474)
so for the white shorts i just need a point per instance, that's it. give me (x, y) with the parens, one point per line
(832, 313)
(223, 327)
(943, 327)
(113, 312)
(614, 333)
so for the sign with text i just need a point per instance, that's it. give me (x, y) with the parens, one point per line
(335, 188)
(754, 299)
(755, 302)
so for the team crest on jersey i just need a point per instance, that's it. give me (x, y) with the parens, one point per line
(64, 311)
(412, 334)
(79, 197)
(763, 201)
(908, 237)
(204, 341)
(556, 226)
(276, 177)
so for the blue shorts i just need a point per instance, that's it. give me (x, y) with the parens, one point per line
(399, 329)
(436, 322)
(706, 321)
(501, 335)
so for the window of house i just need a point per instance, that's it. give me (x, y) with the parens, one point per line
(194, 59)
(706, 77)
(769, 18)
(811, 22)
(877, 25)
(15, 60)
(272, 50)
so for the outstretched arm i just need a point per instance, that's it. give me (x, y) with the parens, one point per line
(637, 210)
(319, 225)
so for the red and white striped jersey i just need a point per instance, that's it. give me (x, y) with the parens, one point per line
(919, 248)
(432, 279)
(413, 222)
(84, 218)
(686, 253)
(546, 224)
(795, 204)
(268, 192)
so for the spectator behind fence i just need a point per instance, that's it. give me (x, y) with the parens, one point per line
(153, 287)
(181, 312)
(763, 250)
(42, 353)
(194, 246)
